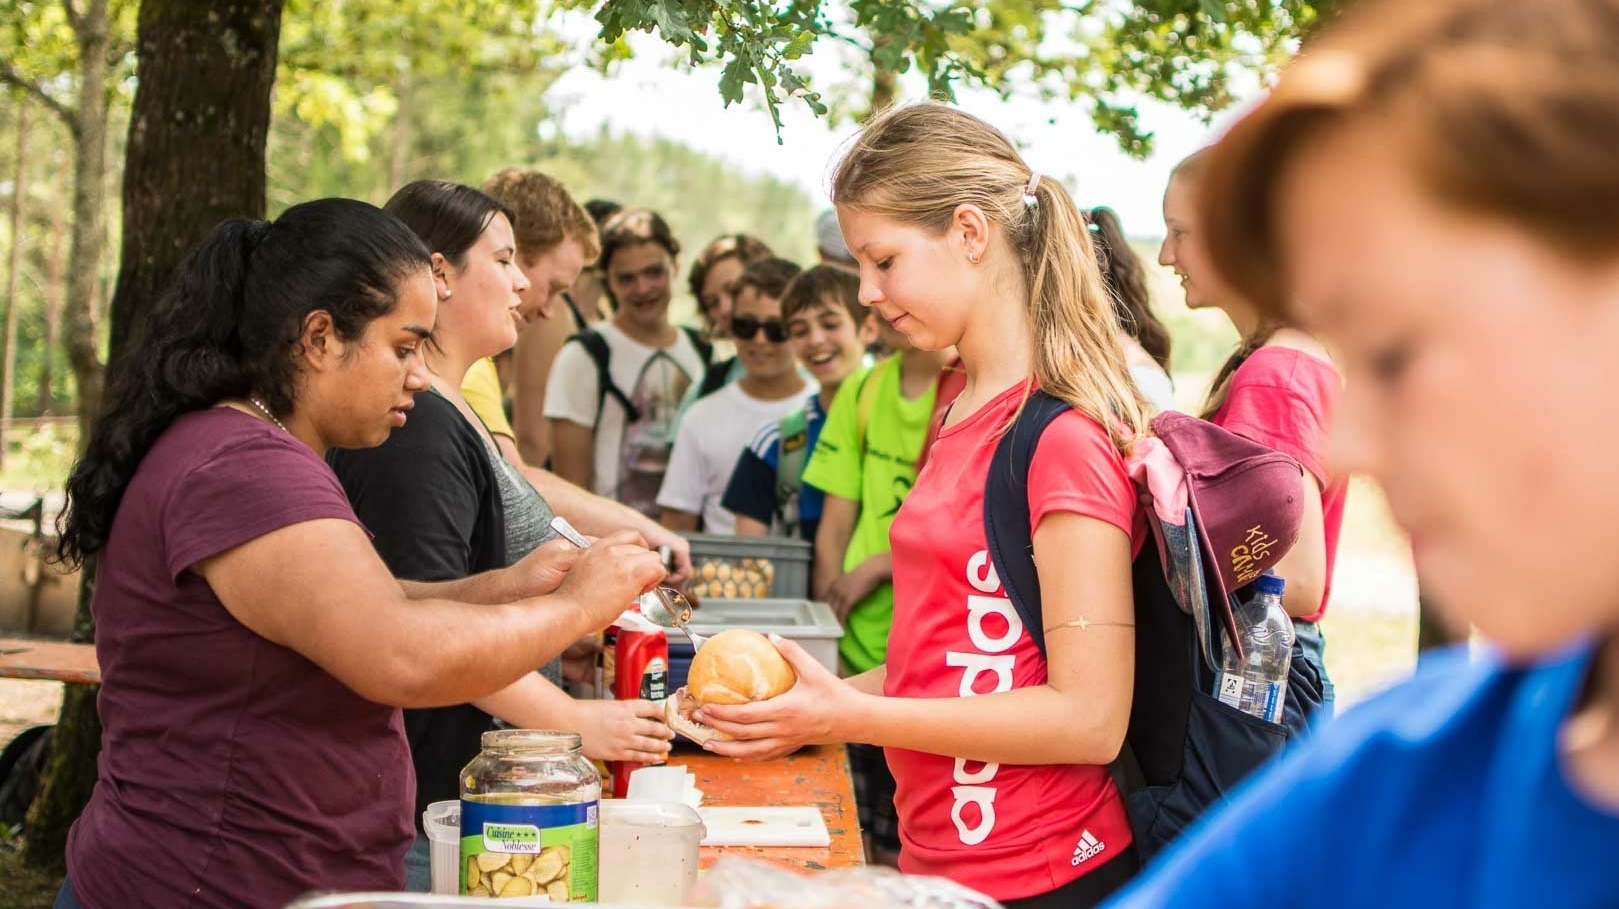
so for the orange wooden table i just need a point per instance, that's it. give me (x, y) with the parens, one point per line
(24, 658)
(817, 776)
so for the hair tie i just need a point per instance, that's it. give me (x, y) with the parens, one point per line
(254, 235)
(1030, 199)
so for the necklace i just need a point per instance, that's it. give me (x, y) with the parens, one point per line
(251, 399)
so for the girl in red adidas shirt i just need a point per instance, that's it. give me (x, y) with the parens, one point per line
(999, 755)
(1279, 389)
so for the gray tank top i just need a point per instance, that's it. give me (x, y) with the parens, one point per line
(528, 520)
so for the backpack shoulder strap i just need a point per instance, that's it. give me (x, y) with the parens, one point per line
(596, 346)
(705, 350)
(714, 378)
(1006, 510)
(865, 399)
(792, 455)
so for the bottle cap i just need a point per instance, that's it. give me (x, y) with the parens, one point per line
(1270, 583)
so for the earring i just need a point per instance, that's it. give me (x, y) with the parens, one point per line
(975, 259)
(445, 295)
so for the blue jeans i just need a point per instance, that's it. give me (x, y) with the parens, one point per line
(419, 865)
(65, 898)
(1314, 646)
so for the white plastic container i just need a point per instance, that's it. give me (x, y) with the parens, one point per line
(442, 821)
(649, 852)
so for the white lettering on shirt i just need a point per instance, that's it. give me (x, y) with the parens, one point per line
(990, 657)
(984, 798)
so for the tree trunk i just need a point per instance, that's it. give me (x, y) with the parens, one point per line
(195, 157)
(19, 198)
(196, 138)
(89, 197)
(55, 295)
(399, 158)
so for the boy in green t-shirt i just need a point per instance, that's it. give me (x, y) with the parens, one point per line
(865, 462)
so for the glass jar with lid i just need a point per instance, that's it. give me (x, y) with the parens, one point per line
(529, 826)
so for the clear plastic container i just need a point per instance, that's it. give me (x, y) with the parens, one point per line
(442, 822)
(649, 852)
(529, 825)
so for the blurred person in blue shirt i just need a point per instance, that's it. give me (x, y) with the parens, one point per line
(1431, 187)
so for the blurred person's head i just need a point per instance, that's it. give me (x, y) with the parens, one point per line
(756, 319)
(957, 238)
(638, 266)
(1184, 249)
(556, 236)
(829, 242)
(1431, 188)
(1126, 279)
(589, 288)
(714, 274)
(474, 253)
(827, 327)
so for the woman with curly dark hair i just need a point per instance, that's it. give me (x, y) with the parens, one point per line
(254, 649)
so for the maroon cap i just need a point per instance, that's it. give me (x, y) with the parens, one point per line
(1246, 499)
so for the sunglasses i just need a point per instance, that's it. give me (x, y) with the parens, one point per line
(743, 328)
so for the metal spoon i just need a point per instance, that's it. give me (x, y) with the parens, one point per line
(665, 607)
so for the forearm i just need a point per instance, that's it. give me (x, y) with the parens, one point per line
(831, 542)
(573, 452)
(531, 702)
(1033, 725)
(589, 513)
(533, 438)
(437, 652)
(879, 567)
(678, 521)
(489, 588)
(869, 682)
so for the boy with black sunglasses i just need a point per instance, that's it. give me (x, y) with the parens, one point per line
(718, 427)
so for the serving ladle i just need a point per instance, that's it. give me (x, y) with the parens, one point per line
(665, 607)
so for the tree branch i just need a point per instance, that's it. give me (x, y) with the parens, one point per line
(74, 18)
(9, 75)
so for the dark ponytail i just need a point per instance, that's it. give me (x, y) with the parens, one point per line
(1127, 281)
(228, 327)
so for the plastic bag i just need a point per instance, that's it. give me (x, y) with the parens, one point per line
(738, 883)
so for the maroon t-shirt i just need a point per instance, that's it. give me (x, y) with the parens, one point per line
(234, 772)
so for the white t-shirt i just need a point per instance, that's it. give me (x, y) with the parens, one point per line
(630, 459)
(711, 438)
(1155, 385)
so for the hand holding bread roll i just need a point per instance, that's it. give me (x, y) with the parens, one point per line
(734, 667)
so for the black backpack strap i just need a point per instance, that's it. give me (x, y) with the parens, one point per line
(1006, 510)
(596, 345)
(714, 377)
(1011, 547)
(705, 350)
(579, 322)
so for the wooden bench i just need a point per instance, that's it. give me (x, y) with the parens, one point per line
(27, 658)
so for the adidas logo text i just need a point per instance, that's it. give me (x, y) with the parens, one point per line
(1089, 847)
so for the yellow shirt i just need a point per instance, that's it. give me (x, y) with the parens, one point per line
(481, 388)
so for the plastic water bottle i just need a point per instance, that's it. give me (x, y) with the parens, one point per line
(1257, 683)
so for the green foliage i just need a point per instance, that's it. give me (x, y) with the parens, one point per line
(37, 46)
(372, 93)
(1109, 53)
(701, 197)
